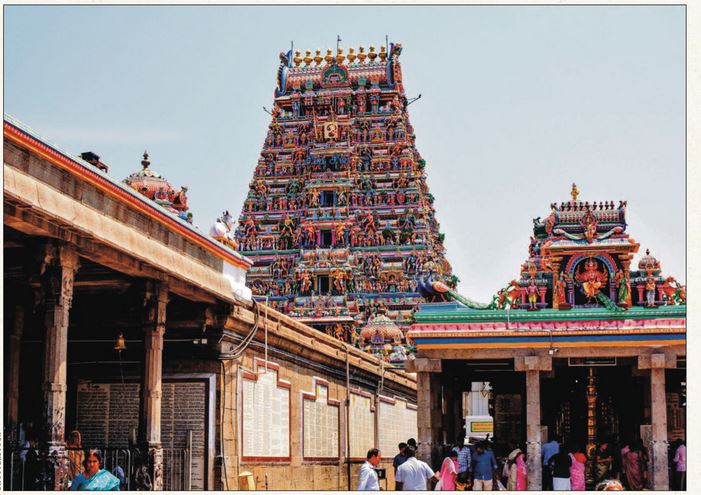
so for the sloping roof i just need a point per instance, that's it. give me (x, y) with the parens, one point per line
(18, 132)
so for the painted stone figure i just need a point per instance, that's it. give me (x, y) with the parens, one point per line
(592, 278)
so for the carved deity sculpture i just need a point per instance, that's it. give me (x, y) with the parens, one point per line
(314, 198)
(650, 287)
(305, 282)
(589, 223)
(249, 226)
(368, 222)
(561, 289)
(673, 291)
(509, 295)
(623, 287)
(532, 291)
(592, 279)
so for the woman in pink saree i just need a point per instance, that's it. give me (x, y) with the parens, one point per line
(448, 473)
(577, 480)
(518, 471)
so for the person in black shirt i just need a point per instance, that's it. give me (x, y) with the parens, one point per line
(560, 464)
(399, 459)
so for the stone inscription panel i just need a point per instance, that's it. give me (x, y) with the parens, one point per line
(362, 425)
(321, 424)
(266, 417)
(397, 423)
(108, 415)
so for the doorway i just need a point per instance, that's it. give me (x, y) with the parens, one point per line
(619, 402)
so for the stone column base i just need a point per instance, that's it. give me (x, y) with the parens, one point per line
(155, 456)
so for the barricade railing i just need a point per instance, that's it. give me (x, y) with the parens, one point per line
(30, 468)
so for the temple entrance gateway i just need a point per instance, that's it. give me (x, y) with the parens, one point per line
(600, 345)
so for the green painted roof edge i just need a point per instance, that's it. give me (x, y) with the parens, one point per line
(467, 315)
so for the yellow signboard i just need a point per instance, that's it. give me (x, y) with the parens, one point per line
(482, 427)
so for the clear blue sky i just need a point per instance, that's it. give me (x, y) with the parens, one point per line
(518, 102)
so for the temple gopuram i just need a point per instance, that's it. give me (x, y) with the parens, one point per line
(582, 346)
(339, 220)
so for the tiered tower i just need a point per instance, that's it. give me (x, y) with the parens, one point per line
(338, 218)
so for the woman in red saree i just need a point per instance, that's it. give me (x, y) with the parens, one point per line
(635, 465)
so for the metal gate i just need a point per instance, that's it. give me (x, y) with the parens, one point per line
(33, 469)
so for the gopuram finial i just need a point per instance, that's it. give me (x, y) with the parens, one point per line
(575, 192)
(145, 163)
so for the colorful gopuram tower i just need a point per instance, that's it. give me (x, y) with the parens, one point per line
(338, 219)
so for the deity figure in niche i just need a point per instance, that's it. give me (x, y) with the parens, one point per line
(340, 233)
(338, 277)
(589, 224)
(532, 291)
(305, 282)
(339, 332)
(650, 287)
(249, 228)
(592, 279)
(368, 222)
(622, 281)
(261, 187)
(314, 198)
(361, 104)
(560, 290)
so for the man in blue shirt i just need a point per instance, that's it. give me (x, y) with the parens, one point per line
(547, 451)
(483, 466)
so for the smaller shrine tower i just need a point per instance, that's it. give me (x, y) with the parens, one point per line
(156, 188)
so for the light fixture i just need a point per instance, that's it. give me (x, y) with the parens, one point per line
(120, 344)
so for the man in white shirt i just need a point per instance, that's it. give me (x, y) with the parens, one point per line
(368, 476)
(413, 474)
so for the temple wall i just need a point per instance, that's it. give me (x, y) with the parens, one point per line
(43, 201)
(297, 473)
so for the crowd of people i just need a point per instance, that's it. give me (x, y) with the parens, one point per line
(472, 465)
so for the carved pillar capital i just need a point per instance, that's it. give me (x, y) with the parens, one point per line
(533, 363)
(155, 301)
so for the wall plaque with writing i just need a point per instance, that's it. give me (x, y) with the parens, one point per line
(320, 425)
(266, 416)
(397, 423)
(362, 425)
(108, 415)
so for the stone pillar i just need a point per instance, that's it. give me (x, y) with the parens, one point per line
(428, 393)
(533, 365)
(657, 364)
(13, 374)
(660, 469)
(61, 264)
(533, 440)
(156, 300)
